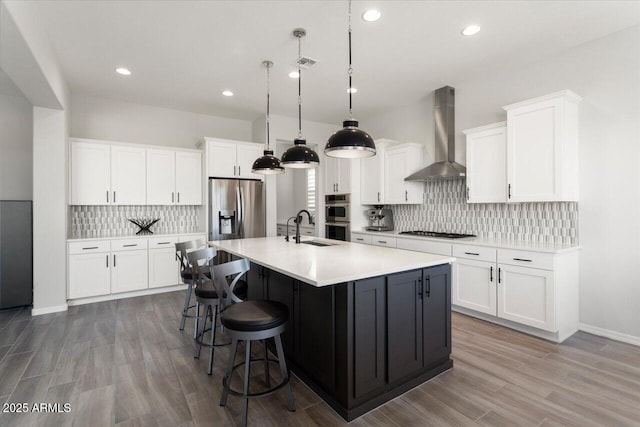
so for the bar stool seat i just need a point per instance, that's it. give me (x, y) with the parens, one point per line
(240, 290)
(255, 316)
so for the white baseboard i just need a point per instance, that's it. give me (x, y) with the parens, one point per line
(607, 333)
(131, 294)
(49, 310)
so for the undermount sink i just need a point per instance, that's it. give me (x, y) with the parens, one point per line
(316, 243)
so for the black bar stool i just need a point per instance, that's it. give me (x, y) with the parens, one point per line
(250, 321)
(186, 274)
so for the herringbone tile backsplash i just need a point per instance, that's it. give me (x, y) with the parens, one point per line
(446, 209)
(112, 221)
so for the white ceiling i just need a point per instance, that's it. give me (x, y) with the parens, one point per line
(183, 54)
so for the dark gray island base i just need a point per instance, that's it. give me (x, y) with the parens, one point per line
(360, 344)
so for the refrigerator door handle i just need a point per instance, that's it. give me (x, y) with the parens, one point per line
(241, 209)
(238, 212)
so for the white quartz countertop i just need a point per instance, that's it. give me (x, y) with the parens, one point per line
(476, 241)
(328, 265)
(133, 236)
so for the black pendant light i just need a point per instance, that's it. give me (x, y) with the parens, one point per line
(350, 142)
(300, 156)
(268, 164)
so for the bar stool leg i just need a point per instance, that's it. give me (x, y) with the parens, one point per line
(185, 309)
(201, 327)
(196, 321)
(247, 373)
(213, 339)
(267, 378)
(283, 371)
(227, 375)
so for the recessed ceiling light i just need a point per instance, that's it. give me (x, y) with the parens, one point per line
(123, 71)
(371, 15)
(352, 90)
(471, 30)
(294, 74)
(227, 93)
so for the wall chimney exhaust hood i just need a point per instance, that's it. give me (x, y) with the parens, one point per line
(445, 166)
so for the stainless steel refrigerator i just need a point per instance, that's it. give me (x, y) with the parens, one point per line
(16, 254)
(236, 209)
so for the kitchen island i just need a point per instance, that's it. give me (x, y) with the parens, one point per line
(367, 323)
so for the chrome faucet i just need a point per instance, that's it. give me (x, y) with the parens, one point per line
(298, 220)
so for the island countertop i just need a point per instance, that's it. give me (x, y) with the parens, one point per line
(328, 265)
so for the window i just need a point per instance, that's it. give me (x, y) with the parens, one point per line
(311, 190)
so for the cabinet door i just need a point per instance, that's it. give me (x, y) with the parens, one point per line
(331, 175)
(369, 336)
(534, 152)
(487, 166)
(221, 159)
(128, 175)
(129, 271)
(394, 175)
(344, 176)
(525, 295)
(280, 288)
(372, 180)
(163, 268)
(474, 285)
(161, 177)
(90, 174)
(314, 340)
(404, 324)
(89, 275)
(436, 314)
(188, 178)
(247, 154)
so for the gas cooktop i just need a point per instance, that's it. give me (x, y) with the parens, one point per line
(436, 234)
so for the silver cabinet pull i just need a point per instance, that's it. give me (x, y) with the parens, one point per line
(406, 196)
(472, 253)
(234, 170)
(114, 197)
(378, 196)
(114, 260)
(239, 173)
(129, 246)
(91, 247)
(107, 260)
(163, 243)
(178, 197)
(107, 196)
(172, 194)
(522, 259)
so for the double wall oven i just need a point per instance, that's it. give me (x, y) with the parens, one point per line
(337, 217)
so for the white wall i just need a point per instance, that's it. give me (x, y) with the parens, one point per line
(606, 73)
(101, 118)
(16, 152)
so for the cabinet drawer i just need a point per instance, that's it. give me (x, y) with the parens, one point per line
(428, 246)
(128, 244)
(361, 238)
(191, 237)
(525, 259)
(307, 231)
(384, 241)
(163, 242)
(474, 252)
(88, 246)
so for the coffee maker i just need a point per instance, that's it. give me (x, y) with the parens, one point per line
(379, 219)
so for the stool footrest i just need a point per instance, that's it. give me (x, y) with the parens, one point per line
(225, 382)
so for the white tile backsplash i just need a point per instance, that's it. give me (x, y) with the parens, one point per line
(446, 209)
(111, 221)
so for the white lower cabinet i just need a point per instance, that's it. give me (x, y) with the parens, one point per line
(103, 267)
(129, 271)
(475, 286)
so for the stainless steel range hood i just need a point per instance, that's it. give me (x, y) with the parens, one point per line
(445, 166)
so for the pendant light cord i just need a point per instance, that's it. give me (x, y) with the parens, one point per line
(299, 88)
(350, 70)
(268, 79)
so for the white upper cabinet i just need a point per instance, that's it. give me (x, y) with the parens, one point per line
(188, 178)
(128, 177)
(337, 175)
(487, 164)
(174, 177)
(90, 173)
(400, 162)
(372, 175)
(542, 148)
(161, 177)
(231, 159)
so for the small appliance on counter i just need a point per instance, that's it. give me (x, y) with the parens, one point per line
(379, 219)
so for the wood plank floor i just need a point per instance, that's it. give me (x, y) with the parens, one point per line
(125, 363)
